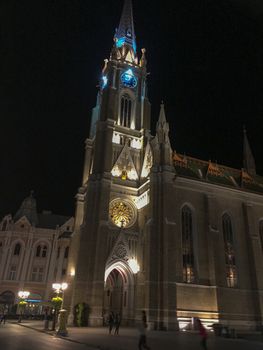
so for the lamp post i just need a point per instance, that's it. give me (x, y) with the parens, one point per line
(23, 295)
(57, 301)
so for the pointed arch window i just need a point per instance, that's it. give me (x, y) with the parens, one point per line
(126, 111)
(187, 245)
(230, 259)
(261, 233)
(17, 249)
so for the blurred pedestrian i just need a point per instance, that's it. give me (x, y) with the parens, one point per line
(111, 321)
(117, 322)
(2, 318)
(203, 333)
(142, 331)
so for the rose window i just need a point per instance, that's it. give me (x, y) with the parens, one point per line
(122, 213)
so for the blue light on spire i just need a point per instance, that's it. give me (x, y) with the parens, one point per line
(128, 79)
(134, 46)
(120, 42)
(104, 81)
(125, 34)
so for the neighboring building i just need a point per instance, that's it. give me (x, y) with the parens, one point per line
(34, 251)
(193, 229)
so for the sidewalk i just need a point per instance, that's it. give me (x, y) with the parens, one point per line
(98, 338)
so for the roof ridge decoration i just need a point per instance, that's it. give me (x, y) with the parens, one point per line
(181, 160)
(213, 169)
(246, 178)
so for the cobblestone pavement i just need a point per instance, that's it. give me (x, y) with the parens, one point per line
(128, 339)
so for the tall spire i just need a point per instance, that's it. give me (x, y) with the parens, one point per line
(248, 159)
(125, 33)
(162, 127)
(162, 152)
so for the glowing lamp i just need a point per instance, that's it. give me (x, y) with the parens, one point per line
(64, 286)
(124, 175)
(134, 265)
(59, 286)
(23, 294)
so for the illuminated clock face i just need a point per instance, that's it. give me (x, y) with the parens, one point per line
(122, 213)
(128, 79)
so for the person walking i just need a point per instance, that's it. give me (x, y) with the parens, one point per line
(111, 321)
(3, 318)
(203, 333)
(142, 331)
(117, 322)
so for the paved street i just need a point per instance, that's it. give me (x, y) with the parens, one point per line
(20, 337)
(14, 337)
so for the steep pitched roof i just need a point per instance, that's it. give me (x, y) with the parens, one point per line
(218, 174)
(51, 221)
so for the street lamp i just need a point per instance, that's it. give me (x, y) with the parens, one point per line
(59, 288)
(23, 295)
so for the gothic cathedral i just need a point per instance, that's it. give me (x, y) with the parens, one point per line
(155, 230)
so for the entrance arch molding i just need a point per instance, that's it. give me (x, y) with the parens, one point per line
(123, 269)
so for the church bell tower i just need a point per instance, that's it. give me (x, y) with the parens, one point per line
(111, 203)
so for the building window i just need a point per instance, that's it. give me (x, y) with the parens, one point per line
(12, 273)
(17, 249)
(126, 111)
(44, 251)
(41, 251)
(230, 260)
(187, 246)
(37, 274)
(64, 271)
(261, 233)
(66, 252)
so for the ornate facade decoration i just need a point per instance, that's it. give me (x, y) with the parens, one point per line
(122, 213)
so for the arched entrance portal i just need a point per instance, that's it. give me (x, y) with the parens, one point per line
(119, 291)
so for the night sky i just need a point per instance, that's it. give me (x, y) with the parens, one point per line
(204, 58)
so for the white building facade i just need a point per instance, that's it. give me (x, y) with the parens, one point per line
(34, 251)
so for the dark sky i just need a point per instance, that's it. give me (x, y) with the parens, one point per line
(205, 59)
